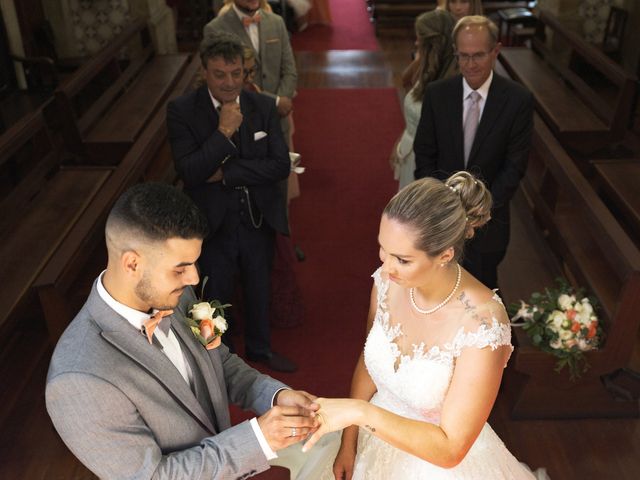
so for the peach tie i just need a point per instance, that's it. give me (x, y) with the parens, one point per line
(246, 21)
(150, 325)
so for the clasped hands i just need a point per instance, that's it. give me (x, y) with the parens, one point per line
(230, 118)
(298, 415)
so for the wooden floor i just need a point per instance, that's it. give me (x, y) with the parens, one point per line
(581, 450)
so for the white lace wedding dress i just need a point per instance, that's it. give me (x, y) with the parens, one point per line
(415, 386)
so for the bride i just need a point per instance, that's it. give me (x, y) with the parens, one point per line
(438, 341)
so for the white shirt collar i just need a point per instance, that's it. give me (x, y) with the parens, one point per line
(133, 316)
(483, 90)
(216, 103)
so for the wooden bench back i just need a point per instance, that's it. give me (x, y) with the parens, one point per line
(84, 97)
(582, 231)
(71, 256)
(29, 154)
(616, 115)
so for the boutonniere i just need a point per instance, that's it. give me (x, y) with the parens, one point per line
(207, 322)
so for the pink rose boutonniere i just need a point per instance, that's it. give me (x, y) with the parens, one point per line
(207, 322)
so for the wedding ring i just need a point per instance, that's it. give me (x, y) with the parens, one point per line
(293, 431)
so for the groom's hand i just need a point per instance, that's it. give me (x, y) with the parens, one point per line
(285, 425)
(296, 398)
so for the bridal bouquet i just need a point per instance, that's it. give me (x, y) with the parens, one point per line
(563, 322)
(207, 322)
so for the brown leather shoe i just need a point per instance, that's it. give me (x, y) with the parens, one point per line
(274, 361)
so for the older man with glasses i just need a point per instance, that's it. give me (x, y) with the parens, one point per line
(480, 122)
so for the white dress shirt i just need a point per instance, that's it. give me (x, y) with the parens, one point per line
(483, 91)
(171, 348)
(252, 29)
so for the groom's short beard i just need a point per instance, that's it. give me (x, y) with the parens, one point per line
(146, 293)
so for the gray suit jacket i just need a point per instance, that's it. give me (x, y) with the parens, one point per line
(125, 411)
(276, 68)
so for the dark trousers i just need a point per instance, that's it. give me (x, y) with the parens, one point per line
(238, 249)
(483, 265)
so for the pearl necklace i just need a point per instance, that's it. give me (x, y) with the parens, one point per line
(442, 303)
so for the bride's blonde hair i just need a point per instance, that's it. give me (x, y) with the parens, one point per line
(443, 214)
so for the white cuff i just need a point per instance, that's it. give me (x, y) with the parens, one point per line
(277, 100)
(266, 449)
(273, 399)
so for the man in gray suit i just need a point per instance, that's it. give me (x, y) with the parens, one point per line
(134, 407)
(267, 34)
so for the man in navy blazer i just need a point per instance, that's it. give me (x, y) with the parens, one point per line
(499, 150)
(230, 153)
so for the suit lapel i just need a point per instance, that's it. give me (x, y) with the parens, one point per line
(457, 127)
(156, 363)
(236, 27)
(247, 127)
(213, 379)
(117, 331)
(263, 34)
(492, 108)
(206, 112)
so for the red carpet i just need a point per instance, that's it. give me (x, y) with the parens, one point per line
(351, 30)
(344, 137)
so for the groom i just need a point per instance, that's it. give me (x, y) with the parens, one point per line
(129, 406)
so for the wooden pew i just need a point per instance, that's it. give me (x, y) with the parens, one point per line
(617, 183)
(596, 253)
(104, 106)
(55, 281)
(402, 13)
(41, 205)
(585, 118)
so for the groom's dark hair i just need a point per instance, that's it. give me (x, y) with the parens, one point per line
(157, 212)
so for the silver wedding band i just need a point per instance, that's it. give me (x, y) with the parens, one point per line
(293, 431)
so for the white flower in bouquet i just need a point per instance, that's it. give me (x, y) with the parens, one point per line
(565, 301)
(525, 312)
(220, 323)
(557, 343)
(565, 335)
(202, 310)
(556, 319)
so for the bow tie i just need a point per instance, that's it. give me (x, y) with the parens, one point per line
(150, 325)
(246, 21)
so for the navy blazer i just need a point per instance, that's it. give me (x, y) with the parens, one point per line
(199, 149)
(500, 149)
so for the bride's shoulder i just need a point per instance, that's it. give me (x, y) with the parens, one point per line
(481, 308)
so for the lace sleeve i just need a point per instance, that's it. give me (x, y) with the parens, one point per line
(487, 326)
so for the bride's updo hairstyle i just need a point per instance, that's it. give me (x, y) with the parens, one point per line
(443, 214)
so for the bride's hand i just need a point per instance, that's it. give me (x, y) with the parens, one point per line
(334, 414)
(344, 462)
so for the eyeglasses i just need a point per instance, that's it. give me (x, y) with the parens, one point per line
(249, 72)
(475, 58)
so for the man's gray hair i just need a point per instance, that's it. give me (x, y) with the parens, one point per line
(221, 44)
(477, 21)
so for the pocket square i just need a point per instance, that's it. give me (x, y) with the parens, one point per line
(272, 40)
(259, 135)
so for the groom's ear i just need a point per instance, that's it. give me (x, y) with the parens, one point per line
(131, 263)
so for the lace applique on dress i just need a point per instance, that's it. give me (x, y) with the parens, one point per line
(382, 312)
(494, 336)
